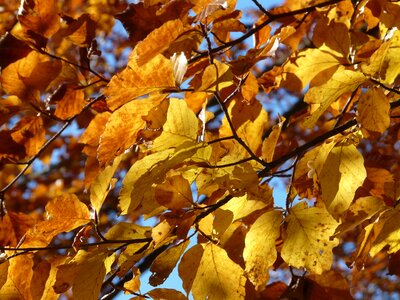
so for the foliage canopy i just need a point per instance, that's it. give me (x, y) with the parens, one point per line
(185, 115)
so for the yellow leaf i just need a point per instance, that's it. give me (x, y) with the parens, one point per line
(389, 235)
(250, 88)
(125, 122)
(30, 132)
(333, 37)
(84, 273)
(134, 81)
(163, 265)
(101, 185)
(138, 182)
(260, 253)
(269, 144)
(180, 127)
(384, 63)
(307, 65)
(209, 273)
(91, 136)
(342, 81)
(19, 278)
(342, 174)
(174, 193)
(64, 214)
(373, 111)
(158, 41)
(308, 243)
(127, 231)
(249, 121)
(133, 285)
(216, 77)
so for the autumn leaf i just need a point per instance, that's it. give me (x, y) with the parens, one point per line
(373, 111)
(260, 253)
(65, 213)
(308, 242)
(165, 263)
(208, 272)
(216, 77)
(342, 174)
(19, 278)
(151, 45)
(174, 193)
(84, 273)
(342, 81)
(134, 81)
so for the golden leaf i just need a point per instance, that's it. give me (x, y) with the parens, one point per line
(163, 265)
(181, 126)
(135, 81)
(101, 185)
(126, 121)
(64, 213)
(84, 273)
(174, 193)
(30, 132)
(71, 103)
(209, 273)
(40, 16)
(373, 111)
(384, 64)
(216, 77)
(91, 136)
(342, 81)
(308, 64)
(308, 242)
(389, 234)
(342, 174)
(158, 41)
(260, 253)
(29, 75)
(18, 284)
(269, 144)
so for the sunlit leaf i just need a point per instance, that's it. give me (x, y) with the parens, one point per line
(260, 253)
(342, 174)
(134, 81)
(308, 242)
(209, 273)
(174, 193)
(126, 121)
(389, 234)
(84, 273)
(19, 278)
(216, 77)
(342, 81)
(64, 213)
(373, 111)
(71, 101)
(158, 40)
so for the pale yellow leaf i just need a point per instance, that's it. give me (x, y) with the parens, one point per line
(373, 111)
(342, 81)
(209, 273)
(260, 253)
(181, 126)
(307, 65)
(158, 41)
(138, 184)
(342, 174)
(308, 242)
(135, 81)
(101, 185)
